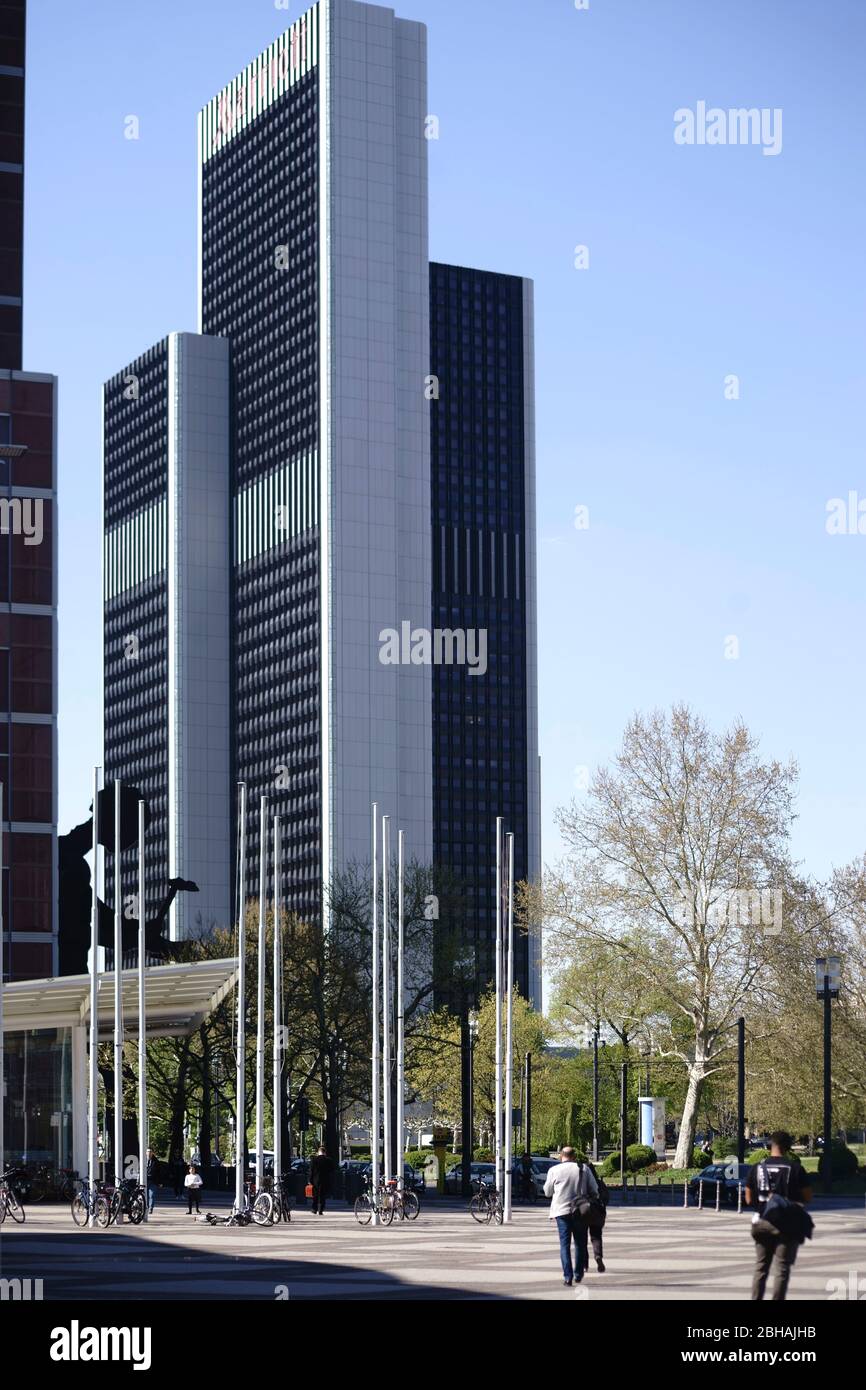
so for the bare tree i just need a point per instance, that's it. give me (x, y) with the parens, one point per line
(666, 861)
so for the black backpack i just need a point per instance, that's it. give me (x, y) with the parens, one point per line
(790, 1219)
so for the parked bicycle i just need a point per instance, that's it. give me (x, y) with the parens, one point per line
(128, 1198)
(282, 1208)
(258, 1207)
(9, 1200)
(407, 1203)
(380, 1200)
(486, 1205)
(83, 1204)
(48, 1181)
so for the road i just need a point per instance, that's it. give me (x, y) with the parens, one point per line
(652, 1253)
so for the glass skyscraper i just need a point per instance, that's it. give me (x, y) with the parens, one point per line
(314, 273)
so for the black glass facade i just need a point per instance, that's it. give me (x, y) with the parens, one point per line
(136, 618)
(260, 233)
(479, 582)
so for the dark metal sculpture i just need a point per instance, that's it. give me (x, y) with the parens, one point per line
(75, 887)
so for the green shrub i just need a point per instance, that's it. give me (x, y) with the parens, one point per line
(700, 1160)
(843, 1161)
(638, 1156)
(610, 1166)
(483, 1155)
(416, 1158)
(726, 1149)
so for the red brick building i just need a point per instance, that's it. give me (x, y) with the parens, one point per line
(28, 571)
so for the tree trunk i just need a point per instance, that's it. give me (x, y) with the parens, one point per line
(178, 1106)
(686, 1140)
(204, 1138)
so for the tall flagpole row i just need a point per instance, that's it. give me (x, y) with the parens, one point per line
(2, 969)
(278, 1001)
(376, 1079)
(509, 1024)
(240, 1097)
(386, 992)
(260, 996)
(118, 994)
(92, 1072)
(498, 982)
(401, 1034)
(142, 1050)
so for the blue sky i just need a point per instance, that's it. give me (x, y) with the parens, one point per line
(707, 516)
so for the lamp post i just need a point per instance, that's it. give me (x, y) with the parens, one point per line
(828, 970)
(595, 1033)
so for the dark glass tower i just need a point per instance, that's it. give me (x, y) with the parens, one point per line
(485, 760)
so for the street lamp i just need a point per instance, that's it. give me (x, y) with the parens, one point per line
(828, 974)
(468, 1035)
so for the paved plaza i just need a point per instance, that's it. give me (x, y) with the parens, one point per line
(653, 1253)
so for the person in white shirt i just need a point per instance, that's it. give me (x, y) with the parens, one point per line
(568, 1184)
(193, 1184)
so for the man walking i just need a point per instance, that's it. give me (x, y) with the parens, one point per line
(777, 1187)
(321, 1168)
(568, 1184)
(152, 1176)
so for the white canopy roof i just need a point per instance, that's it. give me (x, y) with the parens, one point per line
(178, 998)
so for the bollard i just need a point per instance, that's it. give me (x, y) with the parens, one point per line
(700, 1194)
(686, 1193)
(739, 1196)
(718, 1196)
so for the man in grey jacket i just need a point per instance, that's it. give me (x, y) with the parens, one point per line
(567, 1185)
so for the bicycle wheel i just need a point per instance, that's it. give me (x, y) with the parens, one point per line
(102, 1212)
(495, 1210)
(411, 1205)
(14, 1206)
(67, 1188)
(479, 1209)
(80, 1210)
(136, 1208)
(363, 1209)
(386, 1211)
(263, 1208)
(38, 1190)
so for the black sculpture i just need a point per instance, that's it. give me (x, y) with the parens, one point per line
(75, 886)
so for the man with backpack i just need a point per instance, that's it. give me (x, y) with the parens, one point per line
(569, 1185)
(778, 1188)
(593, 1214)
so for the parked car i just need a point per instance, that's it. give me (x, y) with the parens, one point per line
(729, 1175)
(454, 1177)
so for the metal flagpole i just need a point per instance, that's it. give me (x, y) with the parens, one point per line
(2, 1035)
(278, 1003)
(376, 1097)
(401, 1040)
(93, 1074)
(498, 973)
(142, 1052)
(260, 1001)
(240, 1096)
(509, 1022)
(118, 996)
(386, 992)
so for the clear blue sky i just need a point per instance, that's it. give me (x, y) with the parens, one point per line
(707, 515)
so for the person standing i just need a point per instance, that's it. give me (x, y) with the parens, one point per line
(593, 1214)
(152, 1179)
(526, 1175)
(568, 1185)
(193, 1184)
(778, 1188)
(321, 1169)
